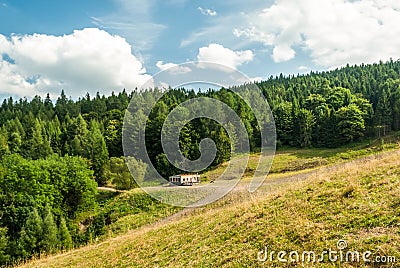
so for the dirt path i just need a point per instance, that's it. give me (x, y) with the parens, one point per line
(108, 189)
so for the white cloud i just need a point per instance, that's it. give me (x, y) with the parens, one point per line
(164, 66)
(86, 60)
(4, 44)
(216, 53)
(303, 68)
(207, 11)
(172, 67)
(334, 32)
(283, 53)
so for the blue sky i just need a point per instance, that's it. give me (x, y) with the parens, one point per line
(105, 45)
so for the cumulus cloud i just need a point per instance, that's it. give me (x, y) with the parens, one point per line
(207, 11)
(334, 32)
(216, 53)
(172, 67)
(164, 66)
(302, 68)
(283, 53)
(86, 60)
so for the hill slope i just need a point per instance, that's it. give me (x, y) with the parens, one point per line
(359, 203)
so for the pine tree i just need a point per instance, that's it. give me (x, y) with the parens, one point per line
(138, 170)
(97, 152)
(64, 235)
(4, 257)
(61, 106)
(40, 145)
(77, 136)
(15, 142)
(31, 235)
(134, 126)
(4, 149)
(284, 122)
(50, 240)
(383, 115)
(306, 122)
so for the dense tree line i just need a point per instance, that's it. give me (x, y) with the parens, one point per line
(39, 199)
(53, 152)
(337, 100)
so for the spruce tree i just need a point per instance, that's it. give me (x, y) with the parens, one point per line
(31, 235)
(64, 235)
(3, 246)
(50, 240)
(4, 149)
(40, 145)
(306, 122)
(97, 152)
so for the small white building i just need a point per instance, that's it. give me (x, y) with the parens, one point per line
(185, 179)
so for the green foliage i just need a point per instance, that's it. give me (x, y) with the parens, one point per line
(305, 122)
(4, 257)
(31, 235)
(36, 128)
(64, 235)
(4, 148)
(131, 210)
(97, 152)
(60, 185)
(39, 143)
(113, 131)
(120, 175)
(50, 240)
(77, 136)
(284, 122)
(39, 235)
(350, 124)
(325, 109)
(164, 167)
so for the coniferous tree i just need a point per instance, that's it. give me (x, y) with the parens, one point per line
(31, 235)
(383, 114)
(77, 135)
(284, 122)
(97, 152)
(15, 142)
(39, 143)
(61, 106)
(50, 240)
(4, 256)
(306, 121)
(4, 148)
(64, 235)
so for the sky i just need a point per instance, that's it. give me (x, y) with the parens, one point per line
(109, 45)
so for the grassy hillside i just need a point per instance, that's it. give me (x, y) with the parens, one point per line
(133, 209)
(359, 203)
(292, 160)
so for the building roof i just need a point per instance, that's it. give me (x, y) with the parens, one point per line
(185, 175)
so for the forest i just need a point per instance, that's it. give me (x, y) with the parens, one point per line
(54, 154)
